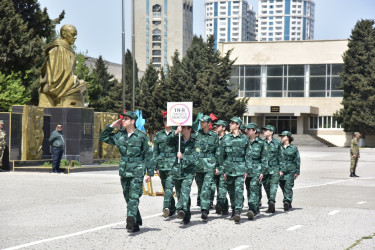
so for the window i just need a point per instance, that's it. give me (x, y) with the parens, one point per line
(324, 122)
(156, 22)
(156, 8)
(156, 52)
(156, 59)
(156, 38)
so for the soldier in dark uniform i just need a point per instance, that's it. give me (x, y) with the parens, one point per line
(164, 156)
(136, 155)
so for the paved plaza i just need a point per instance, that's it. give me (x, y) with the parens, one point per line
(87, 211)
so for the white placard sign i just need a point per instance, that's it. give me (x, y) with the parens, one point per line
(179, 114)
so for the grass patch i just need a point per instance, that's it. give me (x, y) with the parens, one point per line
(111, 162)
(63, 163)
(359, 241)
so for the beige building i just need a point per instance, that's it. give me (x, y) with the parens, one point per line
(292, 85)
(161, 28)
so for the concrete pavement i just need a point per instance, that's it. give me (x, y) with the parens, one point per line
(87, 211)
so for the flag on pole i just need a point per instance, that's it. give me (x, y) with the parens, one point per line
(140, 123)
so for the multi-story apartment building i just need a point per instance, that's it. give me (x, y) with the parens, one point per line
(161, 28)
(286, 20)
(229, 20)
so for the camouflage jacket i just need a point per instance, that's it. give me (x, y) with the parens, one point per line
(273, 155)
(354, 147)
(290, 160)
(164, 152)
(233, 161)
(2, 139)
(187, 165)
(256, 157)
(136, 152)
(207, 147)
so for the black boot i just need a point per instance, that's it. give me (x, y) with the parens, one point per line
(355, 175)
(351, 175)
(135, 228)
(232, 217)
(181, 214)
(130, 222)
(218, 209)
(199, 201)
(204, 215)
(271, 207)
(286, 206)
(237, 216)
(211, 204)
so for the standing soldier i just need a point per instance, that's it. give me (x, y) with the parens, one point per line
(354, 154)
(220, 183)
(164, 156)
(207, 143)
(183, 171)
(253, 182)
(136, 154)
(234, 165)
(271, 173)
(290, 168)
(2, 143)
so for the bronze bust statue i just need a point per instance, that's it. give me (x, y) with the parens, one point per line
(59, 87)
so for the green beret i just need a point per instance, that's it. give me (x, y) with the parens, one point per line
(221, 123)
(285, 133)
(269, 127)
(131, 115)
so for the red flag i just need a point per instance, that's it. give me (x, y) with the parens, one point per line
(164, 113)
(213, 117)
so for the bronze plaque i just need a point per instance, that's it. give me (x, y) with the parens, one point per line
(275, 109)
(87, 129)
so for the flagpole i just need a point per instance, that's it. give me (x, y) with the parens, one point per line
(123, 56)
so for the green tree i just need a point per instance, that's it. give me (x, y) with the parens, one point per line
(358, 80)
(99, 89)
(83, 72)
(12, 91)
(150, 111)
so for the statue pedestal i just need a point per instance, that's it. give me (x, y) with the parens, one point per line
(77, 130)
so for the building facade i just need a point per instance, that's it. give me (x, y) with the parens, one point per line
(292, 85)
(285, 20)
(229, 20)
(161, 28)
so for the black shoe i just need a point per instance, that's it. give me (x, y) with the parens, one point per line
(135, 228)
(237, 216)
(218, 209)
(171, 213)
(286, 206)
(290, 206)
(271, 207)
(250, 215)
(198, 202)
(211, 204)
(355, 175)
(186, 221)
(166, 212)
(224, 212)
(204, 215)
(351, 175)
(181, 214)
(232, 217)
(130, 222)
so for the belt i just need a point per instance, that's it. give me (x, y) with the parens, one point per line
(168, 155)
(203, 155)
(235, 159)
(132, 159)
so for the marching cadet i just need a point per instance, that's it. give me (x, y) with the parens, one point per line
(290, 168)
(164, 155)
(354, 154)
(234, 165)
(136, 155)
(219, 181)
(207, 143)
(183, 171)
(271, 173)
(256, 157)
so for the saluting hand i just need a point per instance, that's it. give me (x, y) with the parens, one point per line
(116, 123)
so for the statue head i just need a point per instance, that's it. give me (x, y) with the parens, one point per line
(69, 33)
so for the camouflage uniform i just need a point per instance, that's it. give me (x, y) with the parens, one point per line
(271, 173)
(136, 155)
(354, 150)
(234, 166)
(183, 172)
(257, 159)
(207, 148)
(164, 155)
(289, 165)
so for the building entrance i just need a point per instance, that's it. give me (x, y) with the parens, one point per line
(282, 123)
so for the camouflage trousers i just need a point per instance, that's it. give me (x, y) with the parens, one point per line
(167, 183)
(235, 191)
(286, 183)
(253, 188)
(353, 164)
(221, 198)
(132, 190)
(183, 189)
(1, 155)
(270, 184)
(205, 181)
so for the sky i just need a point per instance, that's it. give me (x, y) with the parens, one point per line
(99, 26)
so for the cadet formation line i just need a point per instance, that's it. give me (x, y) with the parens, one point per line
(216, 159)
